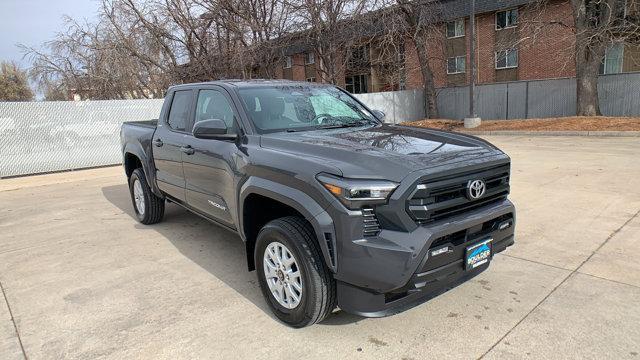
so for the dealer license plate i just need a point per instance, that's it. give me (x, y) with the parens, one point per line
(478, 254)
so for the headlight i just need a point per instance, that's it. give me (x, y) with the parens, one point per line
(354, 193)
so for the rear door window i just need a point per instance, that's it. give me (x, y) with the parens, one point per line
(179, 112)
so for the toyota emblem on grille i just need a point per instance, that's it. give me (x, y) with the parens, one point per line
(475, 189)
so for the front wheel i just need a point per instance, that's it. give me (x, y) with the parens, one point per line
(293, 277)
(148, 207)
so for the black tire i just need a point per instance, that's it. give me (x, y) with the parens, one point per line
(153, 205)
(319, 287)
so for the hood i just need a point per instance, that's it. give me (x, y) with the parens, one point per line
(382, 152)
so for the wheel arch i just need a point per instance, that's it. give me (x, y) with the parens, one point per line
(133, 157)
(298, 203)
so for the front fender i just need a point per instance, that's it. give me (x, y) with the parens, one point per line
(314, 213)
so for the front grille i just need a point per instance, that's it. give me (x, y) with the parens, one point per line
(370, 224)
(439, 198)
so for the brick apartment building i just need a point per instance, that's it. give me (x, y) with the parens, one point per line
(511, 46)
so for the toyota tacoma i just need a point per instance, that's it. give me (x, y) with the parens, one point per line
(335, 207)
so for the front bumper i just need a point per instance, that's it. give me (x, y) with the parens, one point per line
(393, 271)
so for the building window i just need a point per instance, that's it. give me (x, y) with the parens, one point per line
(400, 56)
(359, 58)
(311, 79)
(288, 62)
(507, 59)
(309, 58)
(622, 10)
(506, 19)
(456, 65)
(455, 28)
(356, 84)
(612, 62)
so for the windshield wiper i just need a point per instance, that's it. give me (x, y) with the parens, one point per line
(344, 125)
(332, 126)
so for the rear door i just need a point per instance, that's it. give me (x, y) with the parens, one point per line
(210, 170)
(169, 144)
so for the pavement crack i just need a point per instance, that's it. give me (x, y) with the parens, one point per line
(572, 273)
(614, 233)
(535, 262)
(605, 279)
(15, 327)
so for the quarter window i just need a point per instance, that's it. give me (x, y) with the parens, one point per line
(179, 112)
(455, 28)
(507, 59)
(456, 65)
(506, 19)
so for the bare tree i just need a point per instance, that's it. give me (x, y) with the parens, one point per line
(418, 23)
(595, 26)
(332, 30)
(138, 48)
(253, 32)
(14, 85)
(90, 61)
(598, 24)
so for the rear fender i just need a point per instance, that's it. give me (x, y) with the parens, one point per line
(147, 166)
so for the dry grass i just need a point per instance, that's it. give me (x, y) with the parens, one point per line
(574, 123)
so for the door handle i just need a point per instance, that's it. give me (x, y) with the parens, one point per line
(187, 149)
(158, 142)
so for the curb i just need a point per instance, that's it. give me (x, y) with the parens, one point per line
(558, 133)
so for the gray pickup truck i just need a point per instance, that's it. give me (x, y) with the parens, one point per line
(336, 208)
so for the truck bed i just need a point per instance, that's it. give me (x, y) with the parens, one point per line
(144, 123)
(139, 134)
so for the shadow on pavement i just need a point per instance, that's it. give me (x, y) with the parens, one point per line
(219, 251)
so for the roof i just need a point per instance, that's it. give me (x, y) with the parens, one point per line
(461, 8)
(440, 10)
(239, 83)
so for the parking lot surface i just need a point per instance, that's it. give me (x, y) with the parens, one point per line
(82, 279)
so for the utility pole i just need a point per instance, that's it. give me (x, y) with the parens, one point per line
(472, 120)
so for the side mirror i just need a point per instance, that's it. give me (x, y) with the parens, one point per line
(212, 129)
(379, 114)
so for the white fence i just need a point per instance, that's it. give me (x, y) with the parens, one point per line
(38, 137)
(399, 106)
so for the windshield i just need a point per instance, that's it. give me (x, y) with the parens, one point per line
(299, 108)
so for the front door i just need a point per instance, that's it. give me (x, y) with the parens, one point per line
(210, 170)
(168, 143)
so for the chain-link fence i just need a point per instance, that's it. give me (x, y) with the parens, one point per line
(37, 137)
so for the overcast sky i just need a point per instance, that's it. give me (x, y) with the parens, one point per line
(33, 22)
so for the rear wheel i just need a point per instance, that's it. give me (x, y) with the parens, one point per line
(293, 277)
(148, 207)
